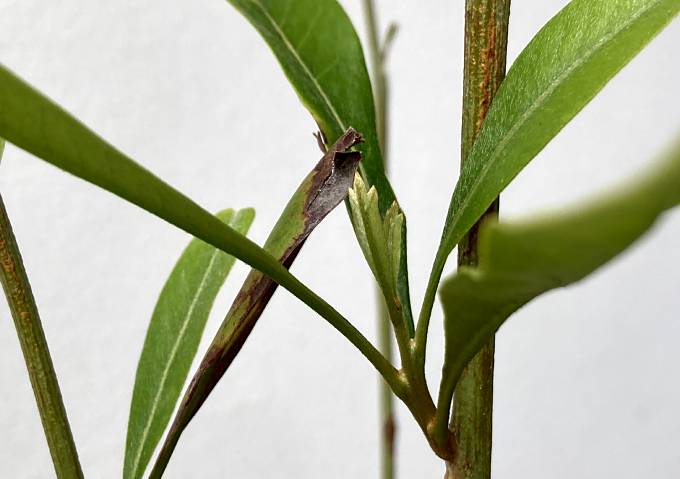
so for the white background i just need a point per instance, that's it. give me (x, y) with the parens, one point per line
(586, 378)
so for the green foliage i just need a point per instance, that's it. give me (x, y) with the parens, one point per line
(320, 53)
(561, 70)
(573, 56)
(518, 261)
(31, 121)
(172, 340)
(380, 240)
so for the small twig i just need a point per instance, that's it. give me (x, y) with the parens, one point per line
(378, 53)
(36, 353)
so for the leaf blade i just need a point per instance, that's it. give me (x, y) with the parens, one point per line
(321, 55)
(564, 66)
(172, 340)
(521, 260)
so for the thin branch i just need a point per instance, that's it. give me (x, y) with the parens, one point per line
(36, 354)
(377, 54)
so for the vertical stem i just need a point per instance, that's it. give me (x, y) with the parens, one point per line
(380, 96)
(486, 36)
(36, 354)
(388, 428)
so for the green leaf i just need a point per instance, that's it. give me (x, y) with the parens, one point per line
(320, 192)
(320, 53)
(573, 56)
(381, 241)
(172, 340)
(521, 260)
(34, 123)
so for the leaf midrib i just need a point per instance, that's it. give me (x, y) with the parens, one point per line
(478, 180)
(291, 48)
(173, 354)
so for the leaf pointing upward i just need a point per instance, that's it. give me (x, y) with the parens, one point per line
(172, 340)
(321, 191)
(573, 56)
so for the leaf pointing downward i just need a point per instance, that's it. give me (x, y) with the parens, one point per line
(321, 191)
(172, 340)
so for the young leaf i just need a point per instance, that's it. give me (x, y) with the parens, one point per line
(521, 260)
(320, 192)
(34, 123)
(380, 239)
(172, 340)
(573, 56)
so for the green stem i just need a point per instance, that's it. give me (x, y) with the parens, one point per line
(388, 423)
(486, 36)
(380, 95)
(36, 354)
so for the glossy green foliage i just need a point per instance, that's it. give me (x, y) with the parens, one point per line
(573, 56)
(172, 340)
(320, 53)
(520, 260)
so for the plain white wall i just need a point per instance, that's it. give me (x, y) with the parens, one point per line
(586, 378)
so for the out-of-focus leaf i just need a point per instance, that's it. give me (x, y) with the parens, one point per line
(521, 260)
(172, 340)
(320, 192)
(573, 56)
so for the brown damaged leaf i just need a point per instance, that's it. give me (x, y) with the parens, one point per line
(320, 192)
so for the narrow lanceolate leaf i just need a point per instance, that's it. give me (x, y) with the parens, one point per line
(557, 74)
(34, 123)
(36, 353)
(320, 53)
(321, 191)
(520, 260)
(172, 340)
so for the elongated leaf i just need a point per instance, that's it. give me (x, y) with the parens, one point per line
(172, 340)
(521, 260)
(573, 56)
(320, 53)
(321, 191)
(34, 123)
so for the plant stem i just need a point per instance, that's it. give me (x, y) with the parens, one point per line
(36, 354)
(388, 423)
(486, 37)
(380, 98)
